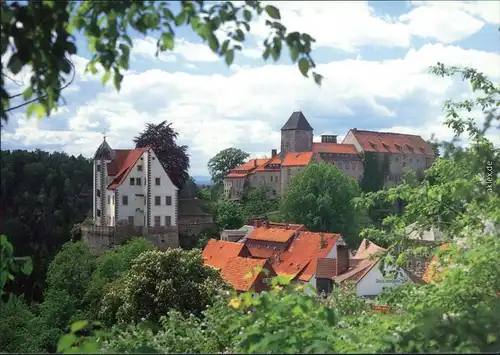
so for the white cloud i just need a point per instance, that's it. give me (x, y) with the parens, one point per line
(246, 108)
(147, 47)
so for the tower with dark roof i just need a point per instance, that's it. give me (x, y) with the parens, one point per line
(102, 157)
(296, 135)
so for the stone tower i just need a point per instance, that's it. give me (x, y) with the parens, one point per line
(102, 157)
(296, 135)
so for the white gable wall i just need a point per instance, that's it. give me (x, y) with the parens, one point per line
(374, 282)
(166, 188)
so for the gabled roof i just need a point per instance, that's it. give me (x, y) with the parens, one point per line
(334, 148)
(302, 254)
(357, 273)
(245, 169)
(122, 164)
(241, 273)
(366, 249)
(386, 142)
(217, 252)
(297, 159)
(297, 121)
(273, 161)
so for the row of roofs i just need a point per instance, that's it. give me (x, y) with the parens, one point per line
(290, 251)
(369, 141)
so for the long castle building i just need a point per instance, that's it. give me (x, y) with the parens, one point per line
(298, 150)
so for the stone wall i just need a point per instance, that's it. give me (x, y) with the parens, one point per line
(103, 238)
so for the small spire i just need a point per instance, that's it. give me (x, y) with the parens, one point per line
(104, 135)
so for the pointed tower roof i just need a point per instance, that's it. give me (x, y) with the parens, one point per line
(104, 151)
(297, 121)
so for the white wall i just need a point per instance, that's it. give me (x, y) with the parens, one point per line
(374, 282)
(166, 188)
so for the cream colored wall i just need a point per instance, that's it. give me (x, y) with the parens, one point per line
(233, 187)
(266, 178)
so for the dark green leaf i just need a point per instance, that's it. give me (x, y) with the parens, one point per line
(303, 66)
(247, 14)
(15, 64)
(229, 57)
(213, 43)
(273, 12)
(294, 53)
(167, 41)
(317, 78)
(27, 267)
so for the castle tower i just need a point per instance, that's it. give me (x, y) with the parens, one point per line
(103, 155)
(296, 135)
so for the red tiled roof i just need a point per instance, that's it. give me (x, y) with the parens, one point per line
(297, 159)
(385, 142)
(241, 273)
(366, 249)
(122, 164)
(334, 148)
(217, 252)
(358, 272)
(430, 271)
(262, 253)
(271, 234)
(245, 169)
(301, 256)
(272, 161)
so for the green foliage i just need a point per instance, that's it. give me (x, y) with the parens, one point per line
(375, 173)
(225, 160)
(229, 215)
(320, 197)
(344, 302)
(111, 266)
(105, 25)
(189, 189)
(11, 264)
(43, 195)
(158, 282)
(259, 201)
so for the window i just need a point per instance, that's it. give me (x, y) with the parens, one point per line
(419, 265)
(109, 199)
(168, 221)
(168, 200)
(131, 220)
(157, 181)
(409, 264)
(139, 167)
(262, 178)
(276, 178)
(353, 165)
(98, 167)
(113, 198)
(397, 159)
(145, 201)
(157, 201)
(400, 248)
(98, 212)
(138, 181)
(157, 221)
(411, 160)
(271, 179)
(132, 181)
(254, 178)
(346, 165)
(98, 193)
(124, 200)
(274, 192)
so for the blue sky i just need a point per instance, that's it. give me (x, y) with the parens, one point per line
(374, 57)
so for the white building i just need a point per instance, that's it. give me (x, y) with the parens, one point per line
(132, 187)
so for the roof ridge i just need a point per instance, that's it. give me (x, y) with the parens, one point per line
(381, 132)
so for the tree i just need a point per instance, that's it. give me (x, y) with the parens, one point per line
(174, 158)
(43, 195)
(105, 25)
(229, 215)
(189, 189)
(259, 201)
(161, 281)
(320, 197)
(225, 160)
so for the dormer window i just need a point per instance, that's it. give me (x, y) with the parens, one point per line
(422, 150)
(386, 147)
(410, 148)
(400, 148)
(374, 146)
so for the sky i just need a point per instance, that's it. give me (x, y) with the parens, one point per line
(374, 57)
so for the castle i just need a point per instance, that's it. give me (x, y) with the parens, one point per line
(298, 150)
(131, 187)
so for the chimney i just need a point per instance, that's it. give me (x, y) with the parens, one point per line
(322, 242)
(274, 152)
(287, 226)
(342, 259)
(328, 138)
(255, 162)
(265, 224)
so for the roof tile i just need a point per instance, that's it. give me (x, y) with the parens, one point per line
(217, 252)
(241, 273)
(297, 159)
(124, 161)
(334, 148)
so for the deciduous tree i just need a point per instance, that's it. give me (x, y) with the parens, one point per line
(225, 160)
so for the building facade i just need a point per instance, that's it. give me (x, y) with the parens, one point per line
(298, 150)
(131, 187)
